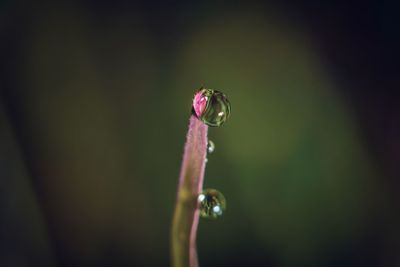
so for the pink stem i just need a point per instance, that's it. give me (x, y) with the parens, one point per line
(186, 215)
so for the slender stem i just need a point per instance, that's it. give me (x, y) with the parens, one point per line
(186, 215)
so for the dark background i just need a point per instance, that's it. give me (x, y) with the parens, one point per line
(95, 97)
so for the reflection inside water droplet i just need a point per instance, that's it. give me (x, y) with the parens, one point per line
(217, 210)
(212, 203)
(211, 106)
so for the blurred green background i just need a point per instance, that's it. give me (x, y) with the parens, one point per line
(95, 100)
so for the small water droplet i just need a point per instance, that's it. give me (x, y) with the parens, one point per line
(210, 147)
(212, 203)
(211, 106)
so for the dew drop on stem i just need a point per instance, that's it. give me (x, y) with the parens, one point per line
(212, 203)
(210, 147)
(211, 106)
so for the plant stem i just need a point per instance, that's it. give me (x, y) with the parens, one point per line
(186, 215)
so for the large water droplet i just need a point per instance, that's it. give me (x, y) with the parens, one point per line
(212, 203)
(211, 106)
(210, 147)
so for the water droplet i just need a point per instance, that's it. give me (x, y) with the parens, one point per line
(210, 147)
(212, 203)
(211, 106)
